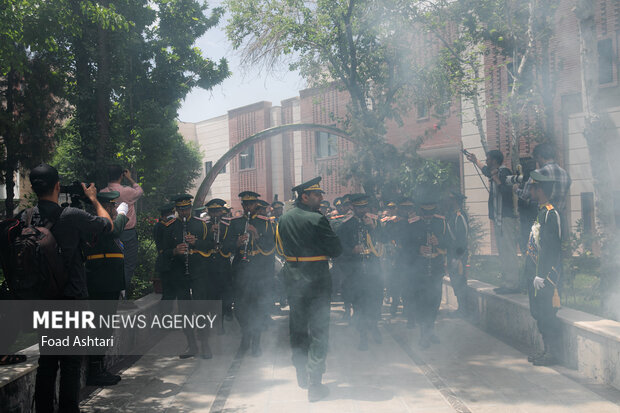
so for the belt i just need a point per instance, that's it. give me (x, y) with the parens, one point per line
(107, 255)
(308, 259)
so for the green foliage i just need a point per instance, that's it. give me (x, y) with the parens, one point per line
(147, 253)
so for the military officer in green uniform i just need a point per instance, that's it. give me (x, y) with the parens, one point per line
(219, 272)
(105, 277)
(458, 228)
(543, 269)
(185, 247)
(252, 241)
(307, 241)
(361, 251)
(429, 232)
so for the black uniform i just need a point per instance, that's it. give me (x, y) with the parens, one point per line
(363, 273)
(430, 269)
(250, 279)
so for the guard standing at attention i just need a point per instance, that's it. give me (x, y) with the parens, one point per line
(307, 242)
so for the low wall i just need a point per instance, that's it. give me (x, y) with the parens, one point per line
(591, 343)
(17, 381)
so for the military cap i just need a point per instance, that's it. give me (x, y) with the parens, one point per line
(405, 201)
(216, 203)
(262, 203)
(183, 201)
(359, 199)
(391, 204)
(346, 199)
(311, 185)
(325, 204)
(457, 195)
(108, 196)
(538, 177)
(337, 202)
(166, 208)
(248, 196)
(200, 210)
(277, 204)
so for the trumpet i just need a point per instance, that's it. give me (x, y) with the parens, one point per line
(186, 254)
(247, 240)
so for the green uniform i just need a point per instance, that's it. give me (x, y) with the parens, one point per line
(307, 241)
(430, 268)
(105, 267)
(544, 261)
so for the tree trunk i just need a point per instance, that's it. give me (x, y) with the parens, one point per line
(103, 102)
(596, 133)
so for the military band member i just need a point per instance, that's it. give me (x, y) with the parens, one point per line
(359, 235)
(185, 247)
(277, 209)
(339, 269)
(219, 271)
(252, 241)
(324, 208)
(105, 276)
(458, 228)
(306, 241)
(429, 232)
(162, 265)
(543, 269)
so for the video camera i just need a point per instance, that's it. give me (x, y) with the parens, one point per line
(75, 192)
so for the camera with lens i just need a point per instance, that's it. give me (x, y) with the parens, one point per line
(75, 192)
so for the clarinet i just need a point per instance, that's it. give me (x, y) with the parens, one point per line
(429, 234)
(247, 240)
(216, 234)
(187, 245)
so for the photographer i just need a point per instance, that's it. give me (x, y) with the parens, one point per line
(129, 237)
(72, 228)
(501, 212)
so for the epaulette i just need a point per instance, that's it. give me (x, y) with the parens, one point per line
(200, 219)
(347, 218)
(169, 222)
(227, 222)
(373, 216)
(385, 219)
(439, 216)
(239, 217)
(272, 219)
(262, 217)
(414, 219)
(336, 216)
(549, 207)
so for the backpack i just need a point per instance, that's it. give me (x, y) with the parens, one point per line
(31, 259)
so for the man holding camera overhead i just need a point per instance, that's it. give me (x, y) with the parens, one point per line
(502, 214)
(129, 237)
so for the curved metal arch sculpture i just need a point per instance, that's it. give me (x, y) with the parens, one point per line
(203, 190)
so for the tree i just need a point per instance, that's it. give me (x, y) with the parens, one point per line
(361, 46)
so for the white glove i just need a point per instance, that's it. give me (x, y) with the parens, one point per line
(122, 209)
(539, 283)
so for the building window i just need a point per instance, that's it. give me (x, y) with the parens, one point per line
(605, 61)
(326, 145)
(246, 158)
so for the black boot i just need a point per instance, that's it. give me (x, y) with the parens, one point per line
(191, 351)
(99, 376)
(256, 350)
(316, 390)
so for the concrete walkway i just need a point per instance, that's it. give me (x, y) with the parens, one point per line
(469, 371)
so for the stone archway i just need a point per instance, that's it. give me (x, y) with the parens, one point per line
(203, 190)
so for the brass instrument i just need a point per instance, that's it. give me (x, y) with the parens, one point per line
(187, 245)
(247, 240)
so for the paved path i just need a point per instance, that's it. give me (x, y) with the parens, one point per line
(469, 371)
